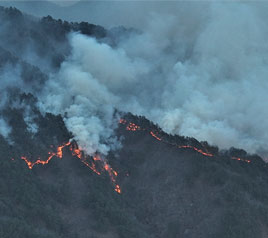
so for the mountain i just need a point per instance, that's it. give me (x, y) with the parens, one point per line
(166, 191)
(155, 185)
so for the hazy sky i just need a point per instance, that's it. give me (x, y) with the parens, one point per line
(110, 13)
(105, 13)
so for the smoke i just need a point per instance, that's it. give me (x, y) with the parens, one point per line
(17, 78)
(195, 68)
(5, 130)
(85, 103)
(200, 72)
(9, 76)
(29, 116)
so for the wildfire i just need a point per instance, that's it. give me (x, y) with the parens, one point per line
(133, 127)
(98, 164)
(123, 121)
(240, 159)
(130, 126)
(86, 160)
(196, 149)
(59, 149)
(117, 189)
(50, 156)
(155, 136)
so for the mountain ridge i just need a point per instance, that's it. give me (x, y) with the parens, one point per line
(172, 186)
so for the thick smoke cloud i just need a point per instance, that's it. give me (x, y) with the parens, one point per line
(85, 103)
(196, 69)
(195, 73)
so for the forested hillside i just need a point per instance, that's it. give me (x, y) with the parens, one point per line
(170, 185)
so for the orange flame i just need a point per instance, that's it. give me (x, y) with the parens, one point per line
(133, 127)
(59, 149)
(196, 149)
(117, 189)
(123, 121)
(240, 159)
(112, 173)
(102, 162)
(85, 160)
(43, 162)
(155, 136)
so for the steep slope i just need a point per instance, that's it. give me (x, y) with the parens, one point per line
(166, 192)
(179, 192)
(169, 186)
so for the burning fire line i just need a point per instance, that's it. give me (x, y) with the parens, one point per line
(197, 150)
(155, 136)
(43, 162)
(240, 159)
(79, 154)
(104, 164)
(130, 126)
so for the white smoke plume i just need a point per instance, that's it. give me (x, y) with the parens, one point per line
(200, 72)
(85, 104)
(5, 129)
